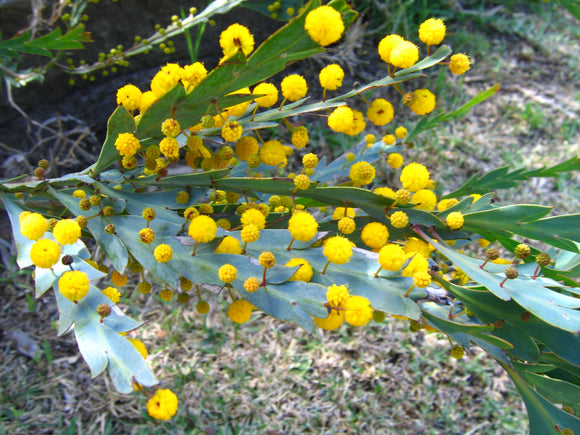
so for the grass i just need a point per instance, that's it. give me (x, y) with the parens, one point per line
(270, 377)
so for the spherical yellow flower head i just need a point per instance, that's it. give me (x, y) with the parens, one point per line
(163, 405)
(232, 131)
(337, 295)
(302, 182)
(147, 235)
(250, 233)
(362, 173)
(399, 219)
(144, 288)
(252, 284)
(310, 160)
(425, 200)
(403, 196)
(444, 204)
(169, 147)
(333, 321)
(269, 92)
(432, 31)
(392, 257)
(74, 285)
(163, 253)
(401, 132)
(324, 25)
(118, 279)
(166, 79)
(255, 217)
(389, 139)
(385, 191)
(246, 146)
(424, 102)
(239, 109)
(414, 177)
(192, 75)
(129, 96)
(346, 225)
(113, 294)
(147, 100)
(459, 63)
(341, 212)
(66, 231)
(358, 311)
(338, 250)
(240, 311)
(341, 119)
(421, 279)
(454, 220)
(227, 273)
(395, 160)
(304, 272)
(404, 55)
(417, 264)
(202, 229)
(386, 46)
(272, 153)
(302, 226)
(300, 137)
(79, 194)
(358, 124)
(331, 77)
(140, 346)
(380, 112)
(166, 295)
(375, 235)
(294, 87)
(414, 245)
(236, 38)
(267, 260)
(32, 225)
(44, 253)
(202, 307)
(170, 127)
(127, 144)
(458, 352)
(182, 197)
(229, 245)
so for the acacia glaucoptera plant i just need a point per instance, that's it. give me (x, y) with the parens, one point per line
(319, 248)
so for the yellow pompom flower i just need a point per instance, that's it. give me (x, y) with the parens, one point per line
(255, 217)
(240, 311)
(129, 96)
(389, 139)
(324, 25)
(66, 231)
(358, 124)
(341, 119)
(432, 31)
(358, 311)
(166, 295)
(166, 79)
(395, 160)
(239, 109)
(331, 77)
(147, 100)
(32, 225)
(380, 112)
(170, 127)
(270, 94)
(459, 63)
(113, 294)
(193, 75)
(246, 146)
(341, 212)
(44, 253)
(444, 204)
(267, 260)
(74, 285)
(413, 245)
(229, 245)
(425, 200)
(227, 273)
(424, 102)
(236, 38)
(294, 87)
(399, 219)
(401, 132)
(169, 147)
(310, 160)
(140, 346)
(386, 46)
(392, 257)
(163, 405)
(272, 153)
(346, 225)
(163, 253)
(414, 177)
(404, 55)
(422, 279)
(375, 235)
(338, 250)
(417, 264)
(147, 235)
(250, 233)
(127, 144)
(304, 272)
(362, 173)
(337, 295)
(302, 226)
(302, 182)
(385, 191)
(454, 220)
(202, 229)
(232, 131)
(333, 321)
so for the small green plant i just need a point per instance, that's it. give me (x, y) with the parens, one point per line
(314, 246)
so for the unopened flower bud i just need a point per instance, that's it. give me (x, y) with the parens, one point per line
(84, 204)
(110, 229)
(409, 99)
(492, 254)
(108, 211)
(103, 310)
(522, 250)
(39, 172)
(207, 121)
(67, 260)
(543, 259)
(44, 164)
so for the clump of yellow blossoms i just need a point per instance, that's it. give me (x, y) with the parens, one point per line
(324, 25)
